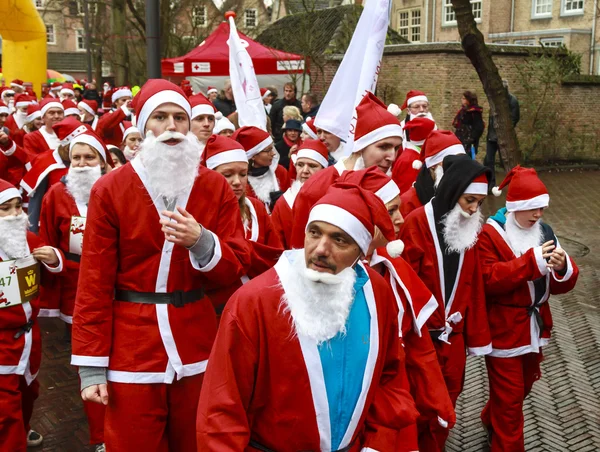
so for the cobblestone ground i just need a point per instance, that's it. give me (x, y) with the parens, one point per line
(561, 414)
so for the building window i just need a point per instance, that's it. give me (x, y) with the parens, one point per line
(92, 7)
(250, 18)
(541, 8)
(552, 42)
(409, 25)
(38, 3)
(525, 42)
(449, 16)
(50, 35)
(199, 16)
(79, 39)
(572, 7)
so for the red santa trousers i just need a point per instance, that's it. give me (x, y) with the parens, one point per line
(511, 380)
(95, 416)
(16, 408)
(157, 417)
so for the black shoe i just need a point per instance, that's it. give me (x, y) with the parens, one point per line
(34, 439)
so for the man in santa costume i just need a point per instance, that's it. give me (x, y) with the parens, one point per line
(522, 264)
(377, 138)
(20, 340)
(439, 144)
(16, 121)
(143, 326)
(71, 109)
(88, 109)
(203, 117)
(285, 336)
(440, 239)
(13, 157)
(310, 158)
(335, 145)
(18, 86)
(67, 92)
(55, 88)
(45, 139)
(416, 104)
(111, 125)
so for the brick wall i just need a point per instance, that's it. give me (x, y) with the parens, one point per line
(444, 72)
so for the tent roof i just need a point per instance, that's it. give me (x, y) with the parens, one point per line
(211, 58)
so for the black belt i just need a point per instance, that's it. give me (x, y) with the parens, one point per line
(177, 298)
(435, 334)
(73, 257)
(262, 448)
(24, 329)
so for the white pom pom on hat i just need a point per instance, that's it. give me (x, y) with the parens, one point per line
(395, 248)
(218, 115)
(394, 109)
(496, 191)
(417, 164)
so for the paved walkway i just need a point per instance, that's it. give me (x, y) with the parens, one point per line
(563, 411)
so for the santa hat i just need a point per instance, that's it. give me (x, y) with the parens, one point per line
(90, 138)
(264, 92)
(23, 100)
(373, 180)
(253, 139)
(120, 92)
(6, 91)
(69, 128)
(212, 89)
(154, 93)
(373, 123)
(91, 106)
(439, 145)
(70, 107)
(419, 129)
(56, 86)
(355, 211)
(525, 190)
(16, 83)
(478, 186)
(222, 123)
(309, 128)
(33, 112)
(47, 104)
(413, 96)
(314, 150)
(8, 191)
(67, 88)
(201, 106)
(4, 109)
(220, 150)
(129, 129)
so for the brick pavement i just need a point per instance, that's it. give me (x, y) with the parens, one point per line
(563, 411)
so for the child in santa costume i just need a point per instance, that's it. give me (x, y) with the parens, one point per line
(306, 357)
(111, 125)
(440, 239)
(143, 326)
(267, 180)
(20, 340)
(522, 264)
(307, 160)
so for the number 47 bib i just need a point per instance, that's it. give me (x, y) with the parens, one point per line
(19, 281)
(76, 234)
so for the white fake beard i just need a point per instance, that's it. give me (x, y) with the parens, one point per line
(521, 239)
(461, 229)
(81, 180)
(319, 303)
(171, 170)
(13, 235)
(439, 173)
(130, 153)
(264, 185)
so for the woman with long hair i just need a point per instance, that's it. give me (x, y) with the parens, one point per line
(468, 123)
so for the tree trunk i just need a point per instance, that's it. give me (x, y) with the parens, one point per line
(481, 58)
(119, 26)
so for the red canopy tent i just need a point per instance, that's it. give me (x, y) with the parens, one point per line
(208, 64)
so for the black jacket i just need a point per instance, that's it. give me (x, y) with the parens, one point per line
(312, 113)
(277, 115)
(224, 105)
(468, 125)
(515, 115)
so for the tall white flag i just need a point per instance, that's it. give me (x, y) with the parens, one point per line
(357, 74)
(246, 92)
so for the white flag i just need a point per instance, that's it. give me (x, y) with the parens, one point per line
(357, 74)
(246, 92)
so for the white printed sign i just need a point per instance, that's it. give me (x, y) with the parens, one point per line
(76, 235)
(19, 281)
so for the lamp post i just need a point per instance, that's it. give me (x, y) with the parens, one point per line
(153, 38)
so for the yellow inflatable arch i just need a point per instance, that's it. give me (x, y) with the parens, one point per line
(23, 43)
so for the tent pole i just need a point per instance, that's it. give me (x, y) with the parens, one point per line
(153, 38)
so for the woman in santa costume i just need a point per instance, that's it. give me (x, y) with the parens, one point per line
(307, 160)
(306, 357)
(266, 178)
(143, 326)
(440, 239)
(522, 264)
(132, 138)
(20, 340)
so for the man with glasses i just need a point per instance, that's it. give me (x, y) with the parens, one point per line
(416, 104)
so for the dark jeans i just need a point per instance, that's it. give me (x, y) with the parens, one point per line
(490, 159)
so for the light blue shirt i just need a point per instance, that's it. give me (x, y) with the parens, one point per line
(344, 359)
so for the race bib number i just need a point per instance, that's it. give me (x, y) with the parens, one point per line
(76, 234)
(19, 281)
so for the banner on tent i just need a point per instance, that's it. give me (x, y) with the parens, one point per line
(198, 67)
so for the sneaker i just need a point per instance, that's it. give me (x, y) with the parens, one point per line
(34, 439)
(100, 448)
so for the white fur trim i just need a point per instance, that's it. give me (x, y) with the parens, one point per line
(477, 188)
(67, 91)
(259, 147)
(78, 131)
(417, 164)
(25, 103)
(395, 248)
(202, 109)
(414, 99)
(36, 114)
(10, 151)
(162, 97)
(72, 111)
(89, 361)
(49, 105)
(344, 220)
(212, 90)
(394, 109)
(538, 202)
(130, 130)
(16, 85)
(313, 155)
(266, 94)
(389, 130)
(90, 141)
(87, 108)
(455, 149)
(234, 155)
(388, 192)
(9, 194)
(309, 131)
(540, 261)
(4, 110)
(123, 92)
(480, 351)
(496, 191)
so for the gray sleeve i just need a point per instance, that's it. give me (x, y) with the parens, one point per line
(92, 376)
(204, 249)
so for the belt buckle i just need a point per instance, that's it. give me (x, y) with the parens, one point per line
(177, 298)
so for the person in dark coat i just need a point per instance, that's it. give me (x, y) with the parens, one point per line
(468, 123)
(290, 138)
(276, 114)
(225, 102)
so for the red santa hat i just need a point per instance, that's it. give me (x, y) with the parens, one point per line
(33, 112)
(47, 104)
(439, 144)
(264, 92)
(373, 180)
(8, 191)
(55, 86)
(91, 139)
(525, 190)
(222, 123)
(70, 107)
(154, 93)
(91, 106)
(419, 129)
(23, 100)
(478, 186)
(16, 83)
(413, 96)
(309, 128)
(4, 109)
(67, 88)
(69, 128)
(220, 150)
(118, 93)
(373, 123)
(314, 150)
(201, 105)
(212, 89)
(129, 129)
(355, 211)
(253, 139)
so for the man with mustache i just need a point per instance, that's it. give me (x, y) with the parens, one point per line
(306, 357)
(143, 327)
(440, 239)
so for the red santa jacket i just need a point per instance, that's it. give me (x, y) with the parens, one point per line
(11, 124)
(282, 217)
(265, 382)
(510, 292)
(110, 127)
(39, 142)
(49, 164)
(13, 162)
(409, 201)
(403, 172)
(465, 311)
(124, 248)
(280, 183)
(22, 356)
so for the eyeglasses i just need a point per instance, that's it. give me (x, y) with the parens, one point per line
(419, 107)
